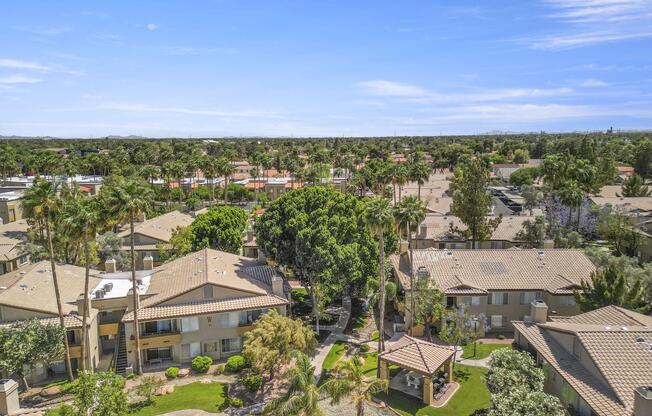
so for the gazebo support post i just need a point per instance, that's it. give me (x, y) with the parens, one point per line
(427, 389)
(449, 371)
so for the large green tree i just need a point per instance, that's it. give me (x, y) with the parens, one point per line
(611, 286)
(28, 343)
(220, 228)
(635, 186)
(320, 234)
(472, 201)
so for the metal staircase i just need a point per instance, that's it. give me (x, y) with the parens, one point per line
(120, 357)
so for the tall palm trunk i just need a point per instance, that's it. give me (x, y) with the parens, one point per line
(226, 189)
(412, 288)
(134, 286)
(87, 305)
(419, 190)
(58, 298)
(359, 406)
(381, 320)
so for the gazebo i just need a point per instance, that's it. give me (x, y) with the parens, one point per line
(422, 359)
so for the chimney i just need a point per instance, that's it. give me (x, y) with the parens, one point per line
(423, 230)
(110, 266)
(148, 263)
(8, 397)
(642, 401)
(250, 235)
(539, 311)
(141, 217)
(81, 304)
(548, 244)
(277, 286)
(403, 246)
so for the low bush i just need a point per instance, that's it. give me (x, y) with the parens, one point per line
(364, 348)
(201, 363)
(252, 382)
(235, 363)
(235, 402)
(172, 372)
(501, 336)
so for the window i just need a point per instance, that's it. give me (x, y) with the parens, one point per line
(529, 297)
(230, 345)
(498, 298)
(23, 259)
(566, 300)
(190, 324)
(450, 301)
(496, 321)
(211, 347)
(208, 292)
(230, 319)
(248, 317)
(471, 300)
(158, 353)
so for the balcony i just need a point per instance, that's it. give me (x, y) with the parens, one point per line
(108, 329)
(157, 340)
(243, 329)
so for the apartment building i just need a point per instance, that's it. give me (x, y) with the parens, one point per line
(13, 237)
(447, 232)
(202, 303)
(497, 286)
(149, 233)
(597, 363)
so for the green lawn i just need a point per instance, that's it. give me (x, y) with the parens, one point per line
(336, 352)
(482, 350)
(202, 396)
(471, 396)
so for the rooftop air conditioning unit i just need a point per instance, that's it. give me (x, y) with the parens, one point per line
(107, 287)
(99, 294)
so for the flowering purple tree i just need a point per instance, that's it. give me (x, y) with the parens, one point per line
(559, 215)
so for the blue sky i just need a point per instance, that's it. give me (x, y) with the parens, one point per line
(323, 68)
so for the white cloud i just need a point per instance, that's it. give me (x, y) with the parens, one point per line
(584, 39)
(593, 82)
(591, 22)
(18, 79)
(17, 64)
(410, 92)
(152, 26)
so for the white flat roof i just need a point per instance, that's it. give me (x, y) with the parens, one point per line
(121, 282)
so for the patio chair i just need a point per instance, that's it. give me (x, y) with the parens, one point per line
(438, 396)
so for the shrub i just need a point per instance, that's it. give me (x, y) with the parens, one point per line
(201, 363)
(235, 363)
(500, 336)
(148, 386)
(235, 402)
(364, 348)
(172, 372)
(253, 382)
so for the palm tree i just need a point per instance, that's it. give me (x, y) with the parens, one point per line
(42, 203)
(572, 195)
(401, 175)
(226, 169)
(635, 186)
(410, 212)
(303, 395)
(83, 219)
(125, 201)
(379, 218)
(350, 381)
(420, 173)
(210, 167)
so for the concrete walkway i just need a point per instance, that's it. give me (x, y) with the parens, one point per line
(337, 331)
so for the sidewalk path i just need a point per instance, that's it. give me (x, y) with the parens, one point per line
(336, 332)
